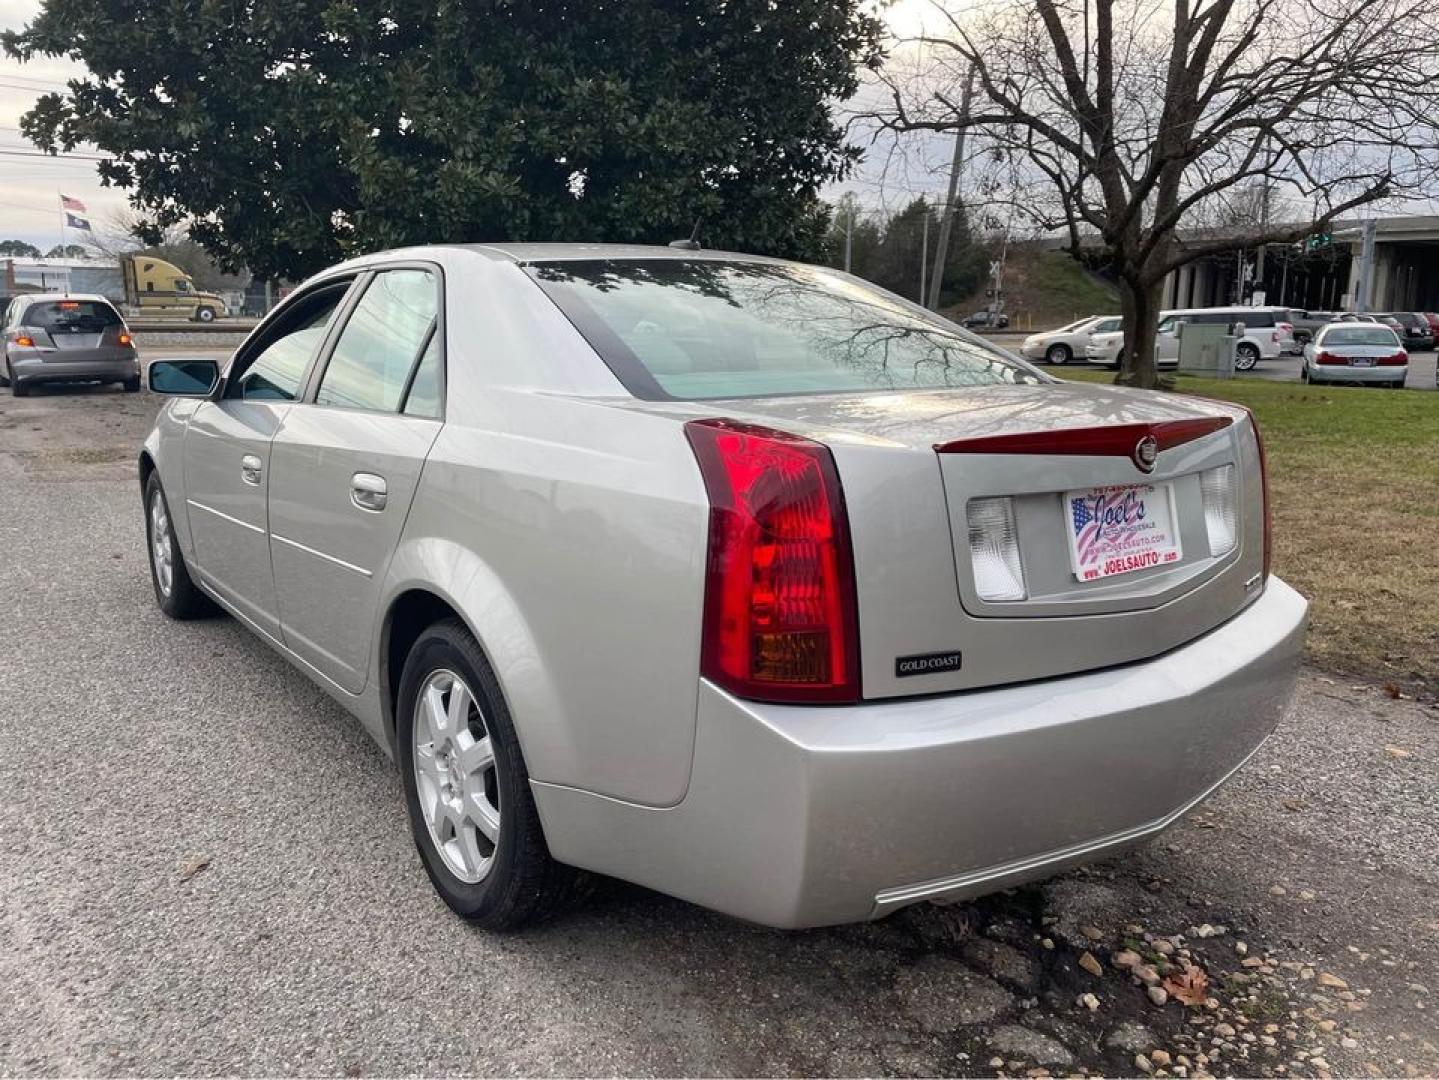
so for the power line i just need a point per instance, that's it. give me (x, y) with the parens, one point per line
(7, 152)
(41, 83)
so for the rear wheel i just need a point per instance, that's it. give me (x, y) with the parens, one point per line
(1118, 361)
(132, 385)
(1246, 356)
(205, 314)
(18, 388)
(1059, 353)
(175, 592)
(467, 788)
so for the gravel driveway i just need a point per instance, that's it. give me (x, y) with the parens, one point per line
(205, 868)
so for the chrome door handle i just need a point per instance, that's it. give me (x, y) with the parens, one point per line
(250, 470)
(368, 491)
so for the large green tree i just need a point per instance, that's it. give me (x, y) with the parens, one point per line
(295, 132)
(19, 249)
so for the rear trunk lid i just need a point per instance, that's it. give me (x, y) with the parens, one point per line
(1058, 458)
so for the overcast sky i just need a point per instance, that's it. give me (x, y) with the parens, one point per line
(30, 186)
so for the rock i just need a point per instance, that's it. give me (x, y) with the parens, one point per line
(1160, 1057)
(1242, 948)
(1306, 894)
(1348, 1043)
(1318, 1063)
(1131, 1038)
(1090, 964)
(1126, 958)
(1334, 982)
(996, 1063)
(1046, 943)
(1327, 1025)
(1204, 931)
(1146, 974)
(1224, 1031)
(1089, 1001)
(1093, 933)
(1021, 1042)
(1157, 994)
(942, 994)
(1278, 890)
(1142, 1063)
(1004, 962)
(1164, 948)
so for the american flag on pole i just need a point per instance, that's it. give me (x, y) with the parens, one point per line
(69, 202)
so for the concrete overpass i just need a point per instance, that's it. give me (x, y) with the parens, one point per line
(1396, 270)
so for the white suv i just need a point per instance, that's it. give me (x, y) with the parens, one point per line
(1268, 335)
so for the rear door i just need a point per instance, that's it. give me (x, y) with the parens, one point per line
(227, 454)
(345, 465)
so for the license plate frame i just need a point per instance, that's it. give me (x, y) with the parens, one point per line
(1121, 529)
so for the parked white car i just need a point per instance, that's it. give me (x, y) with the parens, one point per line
(1267, 333)
(1063, 345)
(1108, 349)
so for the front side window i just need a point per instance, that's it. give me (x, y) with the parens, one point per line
(1106, 326)
(277, 371)
(371, 364)
(697, 329)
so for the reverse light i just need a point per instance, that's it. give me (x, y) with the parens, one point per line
(1221, 509)
(780, 616)
(994, 550)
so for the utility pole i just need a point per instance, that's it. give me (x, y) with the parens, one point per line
(946, 222)
(848, 235)
(1365, 281)
(923, 251)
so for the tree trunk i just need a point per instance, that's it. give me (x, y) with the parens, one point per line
(1139, 305)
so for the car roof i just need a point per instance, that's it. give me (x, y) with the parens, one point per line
(46, 297)
(1226, 307)
(526, 252)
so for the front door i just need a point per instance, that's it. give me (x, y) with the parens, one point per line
(227, 457)
(344, 468)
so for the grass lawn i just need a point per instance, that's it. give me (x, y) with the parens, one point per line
(1354, 485)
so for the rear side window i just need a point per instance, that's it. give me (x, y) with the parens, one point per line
(696, 329)
(1359, 335)
(86, 316)
(371, 363)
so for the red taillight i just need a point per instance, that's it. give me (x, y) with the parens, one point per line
(1398, 359)
(780, 619)
(25, 341)
(124, 339)
(1330, 358)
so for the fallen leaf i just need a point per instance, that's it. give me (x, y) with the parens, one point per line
(193, 867)
(1392, 691)
(1189, 986)
(1397, 752)
(1294, 805)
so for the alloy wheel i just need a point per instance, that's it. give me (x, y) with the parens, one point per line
(455, 778)
(162, 544)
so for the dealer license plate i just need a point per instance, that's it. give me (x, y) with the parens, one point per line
(1120, 529)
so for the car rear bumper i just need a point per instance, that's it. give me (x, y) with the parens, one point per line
(1335, 373)
(805, 816)
(107, 365)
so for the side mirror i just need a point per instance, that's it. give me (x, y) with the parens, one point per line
(184, 378)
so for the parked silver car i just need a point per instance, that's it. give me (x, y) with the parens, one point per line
(66, 337)
(1356, 353)
(736, 578)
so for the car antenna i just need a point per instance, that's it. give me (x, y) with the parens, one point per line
(693, 243)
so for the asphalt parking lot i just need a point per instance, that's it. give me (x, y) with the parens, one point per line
(205, 868)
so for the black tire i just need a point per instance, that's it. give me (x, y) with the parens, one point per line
(5, 373)
(1059, 354)
(523, 883)
(132, 386)
(184, 599)
(205, 314)
(19, 389)
(1118, 361)
(1304, 373)
(1245, 356)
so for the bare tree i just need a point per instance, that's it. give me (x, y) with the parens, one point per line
(1134, 118)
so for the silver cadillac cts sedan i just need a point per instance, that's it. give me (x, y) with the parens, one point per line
(740, 579)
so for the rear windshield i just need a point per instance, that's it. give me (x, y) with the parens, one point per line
(86, 315)
(1359, 335)
(675, 328)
